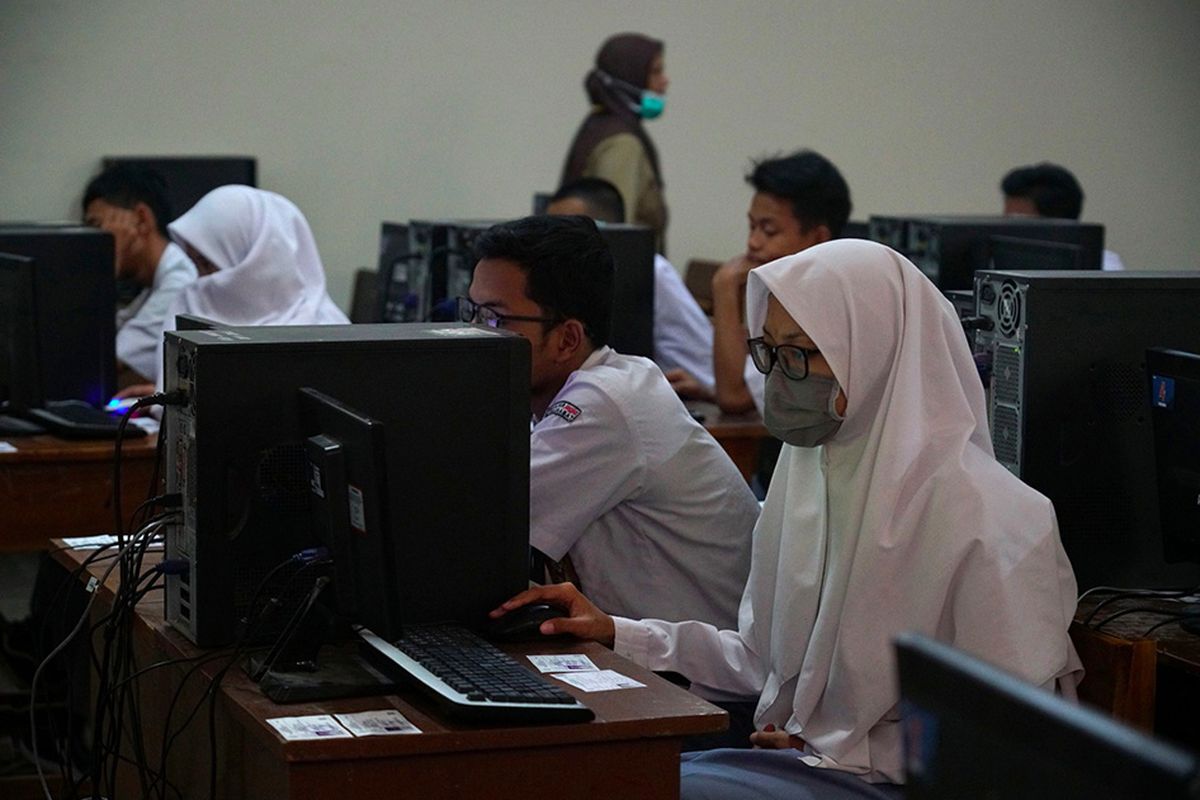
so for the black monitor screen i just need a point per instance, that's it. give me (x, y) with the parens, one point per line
(972, 730)
(59, 339)
(1175, 414)
(189, 178)
(1013, 252)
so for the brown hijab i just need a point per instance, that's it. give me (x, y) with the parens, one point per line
(626, 57)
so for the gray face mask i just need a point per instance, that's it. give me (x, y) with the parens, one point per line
(801, 412)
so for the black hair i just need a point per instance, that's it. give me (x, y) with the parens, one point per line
(602, 198)
(1053, 189)
(567, 264)
(126, 185)
(817, 191)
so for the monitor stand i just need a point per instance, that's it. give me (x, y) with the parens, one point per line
(316, 658)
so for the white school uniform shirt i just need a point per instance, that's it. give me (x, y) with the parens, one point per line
(902, 521)
(654, 514)
(140, 324)
(683, 336)
(1111, 262)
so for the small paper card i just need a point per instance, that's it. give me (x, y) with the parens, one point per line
(7, 447)
(600, 681)
(567, 662)
(316, 726)
(385, 722)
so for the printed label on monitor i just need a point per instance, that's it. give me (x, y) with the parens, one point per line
(1163, 391)
(314, 480)
(358, 516)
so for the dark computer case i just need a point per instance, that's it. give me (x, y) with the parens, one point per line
(455, 396)
(1068, 407)
(950, 248)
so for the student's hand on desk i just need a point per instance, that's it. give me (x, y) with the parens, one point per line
(135, 390)
(584, 620)
(686, 385)
(770, 739)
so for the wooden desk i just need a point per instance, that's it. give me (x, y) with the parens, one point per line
(741, 435)
(1177, 682)
(54, 487)
(631, 749)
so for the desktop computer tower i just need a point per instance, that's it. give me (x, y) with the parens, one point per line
(455, 403)
(950, 248)
(1069, 410)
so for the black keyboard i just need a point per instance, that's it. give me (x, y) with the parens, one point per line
(75, 419)
(471, 679)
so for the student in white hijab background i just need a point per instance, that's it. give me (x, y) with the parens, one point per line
(258, 264)
(901, 519)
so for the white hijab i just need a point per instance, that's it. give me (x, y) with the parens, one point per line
(268, 269)
(904, 520)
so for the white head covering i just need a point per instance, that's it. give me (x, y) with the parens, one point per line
(268, 269)
(902, 521)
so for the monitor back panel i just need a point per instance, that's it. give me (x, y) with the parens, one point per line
(73, 313)
(189, 178)
(633, 288)
(1069, 411)
(455, 403)
(950, 248)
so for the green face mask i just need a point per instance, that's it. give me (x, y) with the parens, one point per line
(652, 104)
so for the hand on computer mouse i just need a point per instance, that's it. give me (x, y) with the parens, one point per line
(583, 619)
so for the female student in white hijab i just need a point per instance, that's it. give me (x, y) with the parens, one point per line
(258, 264)
(887, 513)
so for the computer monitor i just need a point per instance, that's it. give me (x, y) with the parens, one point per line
(426, 264)
(189, 178)
(633, 252)
(453, 402)
(972, 730)
(1174, 378)
(1014, 252)
(57, 292)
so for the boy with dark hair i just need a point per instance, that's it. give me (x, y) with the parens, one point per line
(682, 332)
(626, 489)
(799, 201)
(1048, 190)
(1042, 190)
(130, 203)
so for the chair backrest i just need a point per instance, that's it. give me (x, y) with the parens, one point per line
(1119, 675)
(364, 302)
(698, 279)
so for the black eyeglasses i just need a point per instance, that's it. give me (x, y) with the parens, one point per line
(469, 311)
(792, 360)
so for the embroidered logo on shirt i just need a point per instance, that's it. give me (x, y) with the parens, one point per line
(565, 410)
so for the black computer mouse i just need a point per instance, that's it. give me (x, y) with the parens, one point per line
(521, 624)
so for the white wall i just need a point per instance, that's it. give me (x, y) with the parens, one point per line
(364, 110)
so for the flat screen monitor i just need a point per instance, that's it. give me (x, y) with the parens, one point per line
(1014, 252)
(347, 456)
(1174, 378)
(189, 178)
(58, 295)
(632, 247)
(972, 730)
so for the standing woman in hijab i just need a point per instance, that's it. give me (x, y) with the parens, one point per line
(627, 85)
(887, 513)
